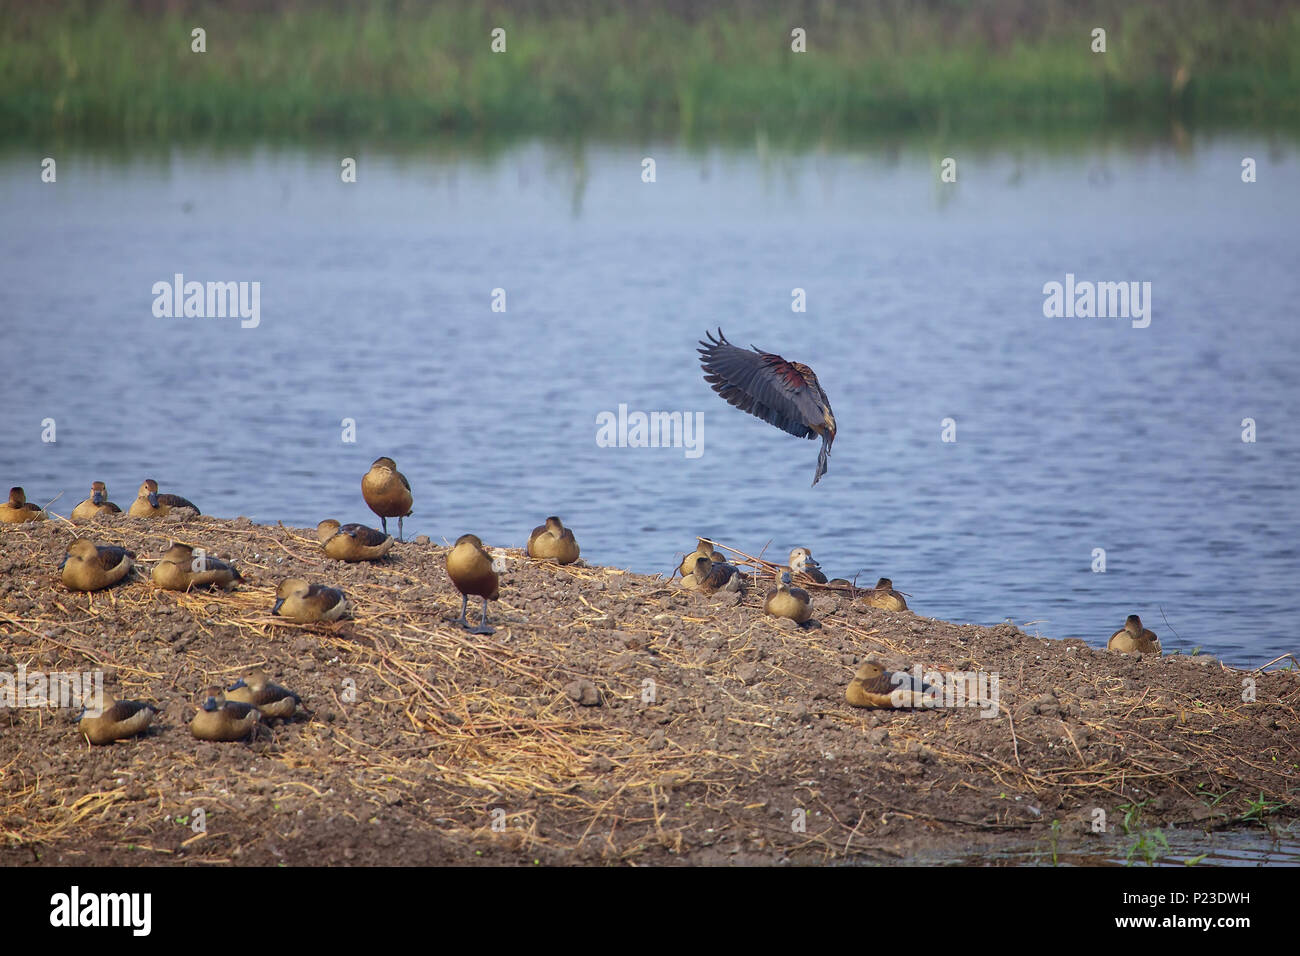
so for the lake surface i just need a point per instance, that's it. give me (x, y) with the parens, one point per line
(924, 300)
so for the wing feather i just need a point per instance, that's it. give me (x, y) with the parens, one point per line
(763, 384)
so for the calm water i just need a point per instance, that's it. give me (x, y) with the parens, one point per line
(924, 302)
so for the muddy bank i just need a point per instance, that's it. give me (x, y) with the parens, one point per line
(612, 718)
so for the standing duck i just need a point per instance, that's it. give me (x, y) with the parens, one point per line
(470, 568)
(264, 694)
(885, 597)
(180, 569)
(1133, 638)
(117, 720)
(784, 394)
(553, 541)
(149, 504)
(873, 686)
(298, 600)
(223, 720)
(352, 542)
(18, 509)
(713, 576)
(387, 492)
(91, 567)
(96, 504)
(786, 601)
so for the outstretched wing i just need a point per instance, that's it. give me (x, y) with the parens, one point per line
(784, 394)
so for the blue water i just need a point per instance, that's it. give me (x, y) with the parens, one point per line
(924, 302)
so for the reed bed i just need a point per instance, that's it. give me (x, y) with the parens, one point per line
(126, 69)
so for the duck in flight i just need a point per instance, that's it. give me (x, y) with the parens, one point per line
(784, 394)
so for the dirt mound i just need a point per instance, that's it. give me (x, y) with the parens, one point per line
(612, 717)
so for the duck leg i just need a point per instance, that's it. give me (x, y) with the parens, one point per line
(464, 603)
(483, 626)
(383, 523)
(399, 529)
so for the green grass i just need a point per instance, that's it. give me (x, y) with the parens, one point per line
(395, 69)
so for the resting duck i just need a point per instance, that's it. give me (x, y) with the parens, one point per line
(352, 542)
(713, 576)
(117, 720)
(149, 504)
(786, 601)
(96, 504)
(18, 509)
(802, 562)
(268, 697)
(387, 492)
(687, 567)
(470, 568)
(90, 567)
(298, 600)
(181, 570)
(1133, 638)
(873, 686)
(553, 541)
(224, 720)
(885, 597)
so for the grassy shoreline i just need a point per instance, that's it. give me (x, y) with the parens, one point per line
(126, 69)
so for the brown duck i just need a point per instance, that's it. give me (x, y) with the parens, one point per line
(387, 492)
(96, 504)
(91, 567)
(713, 576)
(553, 542)
(301, 601)
(18, 509)
(224, 720)
(885, 597)
(1133, 638)
(182, 569)
(470, 568)
(264, 694)
(687, 567)
(117, 720)
(873, 686)
(787, 601)
(150, 504)
(352, 542)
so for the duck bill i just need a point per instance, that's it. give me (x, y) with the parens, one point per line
(97, 498)
(240, 683)
(64, 561)
(275, 608)
(153, 500)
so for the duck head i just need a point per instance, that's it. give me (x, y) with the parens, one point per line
(82, 550)
(801, 559)
(289, 588)
(149, 490)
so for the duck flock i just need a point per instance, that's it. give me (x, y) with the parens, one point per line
(785, 394)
